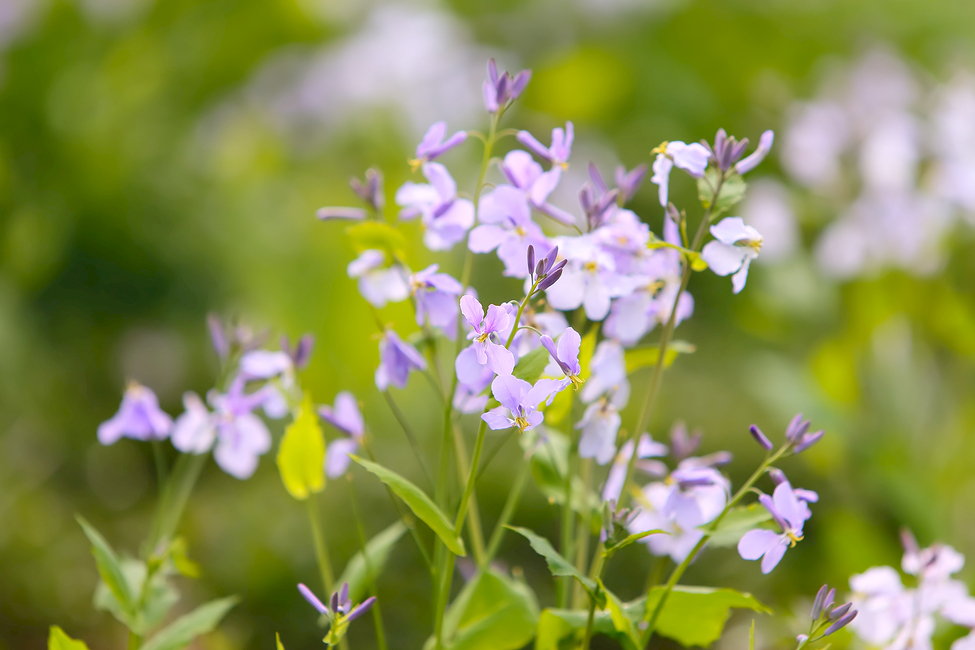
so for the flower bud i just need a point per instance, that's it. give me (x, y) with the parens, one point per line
(531, 258)
(796, 428)
(817, 608)
(760, 437)
(840, 624)
(752, 161)
(777, 475)
(809, 440)
(839, 612)
(551, 278)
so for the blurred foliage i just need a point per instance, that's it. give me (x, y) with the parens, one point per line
(143, 183)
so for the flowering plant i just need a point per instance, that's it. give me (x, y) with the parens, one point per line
(552, 369)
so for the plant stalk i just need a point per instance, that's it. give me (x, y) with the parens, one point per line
(377, 616)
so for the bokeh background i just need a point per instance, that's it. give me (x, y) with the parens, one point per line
(160, 159)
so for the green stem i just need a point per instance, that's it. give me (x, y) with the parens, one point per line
(474, 523)
(377, 616)
(176, 494)
(471, 478)
(589, 624)
(679, 570)
(135, 641)
(321, 550)
(410, 436)
(646, 408)
(514, 496)
(160, 461)
(568, 521)
(582, 536)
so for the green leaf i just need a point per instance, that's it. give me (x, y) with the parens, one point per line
(622, 622)
(737, 522)
(421, 505)
(184, 629)
(378, 548)
(156, 600)
(277, 638)
(630, 539)
(492, 612)
(301, 456)
(531, 365)
(108, 567)
(695, 616)
(550, 463)
(58, 640)
(637, 358)
(562, 629)
(377, 235)
(732, 191)
(557, 564)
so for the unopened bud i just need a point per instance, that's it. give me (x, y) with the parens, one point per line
(840, 624)
(760, 437)
(817, 608)
(809, 440)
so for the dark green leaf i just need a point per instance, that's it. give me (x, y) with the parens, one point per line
(557, 564)
(695, 616)
(531, 365)
(184, 629)
(421, 505)
(492, 612)
(378, 549)
(108, 567)
(737, 522)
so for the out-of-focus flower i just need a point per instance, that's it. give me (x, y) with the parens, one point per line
(527, 175)
(558, 153)
(446, 218)
(733, 249)
(139, 417)
(600, 424)
(790, 512)
(340, 613)
(752, 161)
(566, 355)
(607, 375)
(436, 299)
(499, 90)
(589, 280)
(397, 359)
(519, 402)
(646, 449)
(506, 225)
(433, 144)
(768, 209)
(345, 417)
(378, 284)
(692, 158)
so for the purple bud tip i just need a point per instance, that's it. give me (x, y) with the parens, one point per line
(817, 608)
(312, 599)
(550, 279)
(828, 601)
(840, 624)
(839, 612)
(760, 437)
(809, 440)
(790, 431)
(361, 609)
(531, 258)
(777, 475)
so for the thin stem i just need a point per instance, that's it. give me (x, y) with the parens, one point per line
(321, 550)
(587, 637)
(135, 641)
(495, 449)
(646, 408)
(471, 477)
(521, 309)
(175, 496)
(582, 535)
(514, 496)
(160, 461)
(675, 576)
(474, 523)
(568, 520)
(410, 436)
(377, 616)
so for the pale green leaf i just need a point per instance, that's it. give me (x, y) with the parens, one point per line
(622, 623)
(109, 567)
(301, 456)
(732, 192)
(378, 548)
(58, 640)
(531, 365)
(737, 522)
(695, 616)
(277, 638)
(184, 629)
(562, 629)
(156, 599)
(637, 358)
(377, 235)
(557, 564)
(418, 501)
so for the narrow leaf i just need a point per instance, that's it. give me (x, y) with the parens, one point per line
(301, 456)
(418, 501)
(557, 564)
(277, 638)
(377, 549)
(109, 567)
(184, 629)
(58, 640)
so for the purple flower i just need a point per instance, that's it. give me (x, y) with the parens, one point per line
(734, 247)
(527, 175)
(629, 182)
(600, 424)
(501, 89)
(566, 355)
(397, 360)
(589, 280)
(341, 611)
(647, 448)
(752, 161)
(446, 218)
(436, 299)
(301, 353)
(139, 417)
(265, 364)
(790, 512)
(607, 375)
(372, 190)
(519, 402)
(378, 284)
(470, 396)
(557, 154)
(345, 417)
(241, 436)
(486, 348)
(340, 213)
(433, 144)
(506, 225)
(760, 437)
(692, 158)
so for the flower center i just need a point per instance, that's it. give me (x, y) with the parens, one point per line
(521, 423)
(483, 337)
(755, 244)
(590, 266)
(793, 538)
(521, 231)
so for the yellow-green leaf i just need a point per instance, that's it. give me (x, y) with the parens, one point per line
(301, 456)
(377, 235)
(109, 567)
(58, 640)
(637, 358)
(418, 501)
(277, 637)
(622, 622)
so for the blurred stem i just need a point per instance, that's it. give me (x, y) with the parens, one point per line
(321, 550)
(158, 458)
(410, 436)
(587, 637)
(135, 641)
(474, 523)
(377, 616)
(568, 520)
(176, 493)
(646, 408)
(582, 535)
(514, 496)
(675, 576)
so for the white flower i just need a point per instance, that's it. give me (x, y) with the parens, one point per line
(692, 158)
(733, 249)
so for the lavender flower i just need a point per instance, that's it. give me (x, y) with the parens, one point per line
(790, 512)
(301, 353)
(340, 612)
(446, 218)
(629, 182)
(345, 417)
(372, 190)
(506, 225)
(499, 90)
(527, 175)
(519, 402)
(734, 248)
(139, 417)
(547, 272)
(566, 355)
(752, 161)
(600, 425)
(560, 150)
(726, 151)
(378, 284)
(340, 213)
(397, 359)
(486, 348)
(692, 158)
(646, 449)
(433, 144)
(589, 280)
(436, 299)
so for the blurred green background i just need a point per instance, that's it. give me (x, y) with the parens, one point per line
(163, 158)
